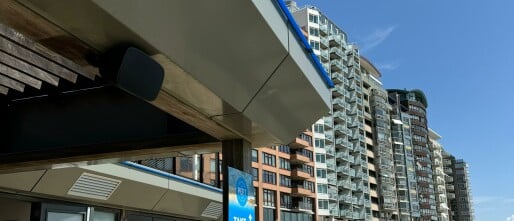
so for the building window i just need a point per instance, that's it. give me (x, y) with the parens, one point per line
(255, 155)
(305, 153)
(320, 158)
(314, 31)
(269, 177)
(309, 169)
(285, 181)
(322, 188)
(213, 165)
(255, 174)
(313, 18)
(284, 149)
(306, 138)
(314, 44)
(319, 143)
(321, 173)
(268, 197)
(286, 201)
(319, 128)
(186, 164)
(285, 164)
(268, 159)
(268, 214)
(323, 204)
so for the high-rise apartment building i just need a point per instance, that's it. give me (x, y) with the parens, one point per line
(458, 188)
(375, 158)
(408, 203)
(343, 135)
(284, 181)
(384, 203)
(439, 176)
(416, 104)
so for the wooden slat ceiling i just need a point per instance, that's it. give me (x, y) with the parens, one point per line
(36, 56)
(25, 63)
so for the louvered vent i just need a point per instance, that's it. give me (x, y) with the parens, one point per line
(213, 210)
(94, 186)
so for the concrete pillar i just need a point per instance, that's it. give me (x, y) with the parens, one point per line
(236, 154)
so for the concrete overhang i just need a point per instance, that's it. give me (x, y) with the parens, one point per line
(138, 188)
(238, 64)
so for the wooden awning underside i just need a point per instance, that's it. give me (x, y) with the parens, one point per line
(29, 64)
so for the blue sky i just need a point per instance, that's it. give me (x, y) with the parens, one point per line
(461, 54)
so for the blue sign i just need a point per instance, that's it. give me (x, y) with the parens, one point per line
(241, 203)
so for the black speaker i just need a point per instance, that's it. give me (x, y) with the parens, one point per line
(133, 71)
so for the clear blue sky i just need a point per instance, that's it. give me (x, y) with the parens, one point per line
(461, 54)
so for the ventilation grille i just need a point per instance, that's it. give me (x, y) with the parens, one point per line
(213, 210)
(94, 186)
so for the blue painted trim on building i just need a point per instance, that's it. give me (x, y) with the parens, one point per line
(170, 176)
(306, 45)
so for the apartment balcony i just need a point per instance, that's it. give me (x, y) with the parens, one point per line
(323, 29)
(335, 40)
(358, 78)
(336, 53)
(338, 90)
(340, 130)
(352, 111)
(337, 77)
(297, 158)
(351, 159)
(352, 172)
(339, 117)
(299, 143)
(345, 198)
(342, 156)
(352, 86)
(302, 206)
(389, 206)
(329, 138)
(331, 166)
(328, 122)
(332, 178)
(324, 43)
(347, 214)
(359, 101)
(330, 150)
(334, 212)
(336, 65)
(343, 170)
(450, 187)
(344, 184)
(323, 56)
(338, 104)
(330, 161)
(332, 194)
(298, 174)
(300, 191)
(387, 180)
(448, 179)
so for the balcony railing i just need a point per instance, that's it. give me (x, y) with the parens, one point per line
(324, 43)
(343, 170)
(323, 29)
(302, 206)
(336, 65)
(336, 53)
(344, 183)
(335, 40)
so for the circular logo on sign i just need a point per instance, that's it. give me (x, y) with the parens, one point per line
(241, 191)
